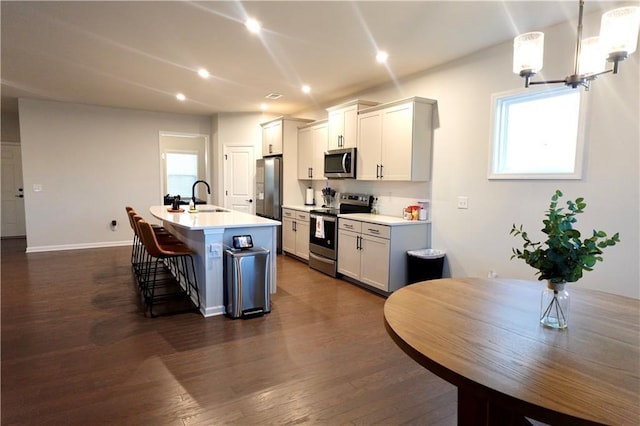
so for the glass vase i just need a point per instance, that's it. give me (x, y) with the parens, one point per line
(554, 306)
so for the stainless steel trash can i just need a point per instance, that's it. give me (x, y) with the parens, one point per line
(246, 282)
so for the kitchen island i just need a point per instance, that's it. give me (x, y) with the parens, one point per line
(209, 233)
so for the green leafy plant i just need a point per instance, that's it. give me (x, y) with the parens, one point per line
(563, 256)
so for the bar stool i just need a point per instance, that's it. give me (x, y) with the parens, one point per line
(164, 238)
(136, 245)
(137, 249)
(166, 266)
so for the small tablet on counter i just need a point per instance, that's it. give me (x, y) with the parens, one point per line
(241, 242)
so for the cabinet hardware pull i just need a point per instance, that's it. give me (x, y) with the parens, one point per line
(377, 171)
(381, 175)
(373, 231)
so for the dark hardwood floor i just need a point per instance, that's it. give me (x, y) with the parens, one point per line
(77, 349)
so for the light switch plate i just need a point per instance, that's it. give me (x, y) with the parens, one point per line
(463, 202)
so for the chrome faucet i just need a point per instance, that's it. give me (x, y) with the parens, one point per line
(193, 191)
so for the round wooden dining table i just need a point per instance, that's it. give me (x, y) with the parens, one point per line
(484, 336)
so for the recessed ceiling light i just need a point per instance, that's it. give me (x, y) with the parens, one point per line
(253, 25)
(306, 89)
(382, 56)
(181, 97)
(203, 73)
(264, 107)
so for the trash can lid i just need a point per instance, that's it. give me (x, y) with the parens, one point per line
(427, 253)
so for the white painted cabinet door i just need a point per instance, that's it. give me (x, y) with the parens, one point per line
(305, 153)
(320, 138)
(374, 262)
(272, 134)
(397, 140)
(348, 254)
(288, 236)
(369, 145)
(350, 127)
(302, 240)
(336, 129)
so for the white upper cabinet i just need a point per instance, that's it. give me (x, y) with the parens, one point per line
(272, 138)
(278, 131)
(343, 123)
(395, 141)
(312, 143)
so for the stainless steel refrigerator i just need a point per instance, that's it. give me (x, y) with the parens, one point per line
(269, 191)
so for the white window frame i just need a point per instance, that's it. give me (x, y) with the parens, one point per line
(498, 132)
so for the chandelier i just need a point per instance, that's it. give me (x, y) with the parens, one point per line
(618, 39)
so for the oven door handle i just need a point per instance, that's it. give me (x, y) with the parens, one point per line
(324, 217)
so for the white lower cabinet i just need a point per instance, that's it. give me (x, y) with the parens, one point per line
(295, 233)
(375, 255)
(362, 255)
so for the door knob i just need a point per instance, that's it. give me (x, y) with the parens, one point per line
(20, 196)
(249, 200)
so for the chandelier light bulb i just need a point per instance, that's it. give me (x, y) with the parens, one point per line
(528, 51)
(592, 57)
(619, 30)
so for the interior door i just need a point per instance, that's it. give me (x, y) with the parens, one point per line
(13, 222)
(239, 178)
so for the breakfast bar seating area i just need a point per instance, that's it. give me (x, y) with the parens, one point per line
(164, 268)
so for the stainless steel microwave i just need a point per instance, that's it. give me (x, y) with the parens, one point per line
(340, 163)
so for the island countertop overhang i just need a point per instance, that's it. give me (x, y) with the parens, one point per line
(210, 219)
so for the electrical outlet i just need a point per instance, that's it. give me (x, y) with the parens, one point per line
(463, 202)
(215, 250)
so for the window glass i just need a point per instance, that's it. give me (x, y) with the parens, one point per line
(537, 135)
(182, 172)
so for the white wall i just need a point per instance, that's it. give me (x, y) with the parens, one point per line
(91, 162)
(241, 129)
(477, 240)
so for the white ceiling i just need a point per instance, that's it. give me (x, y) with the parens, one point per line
(140, 54)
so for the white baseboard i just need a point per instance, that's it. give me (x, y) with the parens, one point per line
(83, 246)
(212, 311)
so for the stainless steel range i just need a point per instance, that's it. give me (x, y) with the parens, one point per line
(323, 231)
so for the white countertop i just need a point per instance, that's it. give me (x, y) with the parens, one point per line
(210, 220)
(381, 219)
(303, 208)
